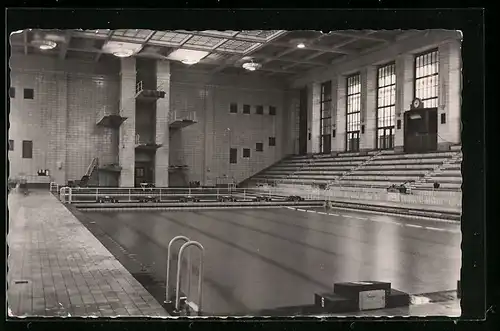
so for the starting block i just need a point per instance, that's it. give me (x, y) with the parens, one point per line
(359, 296)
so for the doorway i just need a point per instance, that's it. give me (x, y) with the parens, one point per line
(144, 173)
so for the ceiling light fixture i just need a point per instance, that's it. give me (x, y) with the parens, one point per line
(251, 66)
(123, 53)
(45, 45)
(301, 45)
(189, 61)
(187, 56)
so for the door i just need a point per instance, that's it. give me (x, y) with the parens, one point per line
(144, 173)
(385, 138)
(353, 141)
(303, 122)
(326, 143)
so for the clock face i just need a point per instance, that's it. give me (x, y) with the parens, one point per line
(416, 103)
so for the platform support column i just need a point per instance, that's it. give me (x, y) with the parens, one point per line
(126, 148)
(162, 127)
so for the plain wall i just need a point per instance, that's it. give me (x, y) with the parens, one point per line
(204, 146)
(69, 96)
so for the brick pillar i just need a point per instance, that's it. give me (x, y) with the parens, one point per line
(315, 121)
(162, 129)
(404, 94)
(126, 149)
(449, 93)
(340, 137)
(368, 107)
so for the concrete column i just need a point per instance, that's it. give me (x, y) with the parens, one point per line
(334, 113)
(404, 94)
(368, 109)
(162, 128)
(289, 133)
(314, 125)
(341, 115)
(309, 117)
(61, 150)
(449, 93)
(126, 150)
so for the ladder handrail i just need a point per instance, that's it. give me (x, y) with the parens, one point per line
(169, 253)
(200, 274)
(91, 167)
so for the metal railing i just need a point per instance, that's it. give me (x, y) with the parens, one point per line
(65, 194)
(53, 187)
(139, 87)
(185, 115)
(92, 166)
(350, 171)
(84, 194)
(197, 307)
(437, 169)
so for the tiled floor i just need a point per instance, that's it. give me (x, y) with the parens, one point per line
(448, 309)
(58, 268)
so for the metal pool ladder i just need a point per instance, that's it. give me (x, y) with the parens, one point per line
(185, 305)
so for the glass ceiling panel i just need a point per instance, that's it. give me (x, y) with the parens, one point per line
(237, 46)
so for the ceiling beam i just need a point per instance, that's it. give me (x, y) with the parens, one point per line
(359, 36)
(98, 56)
(291, 50)
(337, 46)
(278, 57)
(64, 47)
(233, 37)
(315, 48)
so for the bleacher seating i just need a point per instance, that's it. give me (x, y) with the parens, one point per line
(374, 170)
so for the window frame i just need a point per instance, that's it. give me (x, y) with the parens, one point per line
(231, 159)
(272, 110)
(259, 110)
(392, 113)
(257, 149)
(233, 106)
(325, 122)
(11, 145)
(25, 150)
(25, 93)
(415, 79)
(353, 133)
(273, 140)
(247, 109)
(12, 92)
(246, 153)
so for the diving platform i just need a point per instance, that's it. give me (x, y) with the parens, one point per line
(146, 94)
(181, 119)
(111, 121)
(111, 167)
